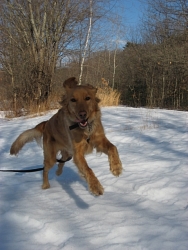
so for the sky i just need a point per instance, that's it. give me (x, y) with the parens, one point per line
(131, 11)
(130, 14)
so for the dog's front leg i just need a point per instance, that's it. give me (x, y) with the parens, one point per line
(105, 146)
(94, 185)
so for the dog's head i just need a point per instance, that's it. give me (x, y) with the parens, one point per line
(81, 102)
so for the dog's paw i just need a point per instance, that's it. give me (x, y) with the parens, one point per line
(45, 185)
(116, 169)
(96, 188)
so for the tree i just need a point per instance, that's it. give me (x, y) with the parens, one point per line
(86, 41)
(34, 35)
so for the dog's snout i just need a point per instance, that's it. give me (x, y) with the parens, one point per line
(82, 115)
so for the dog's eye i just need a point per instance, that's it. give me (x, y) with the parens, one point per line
(87, 98)
(73, 100)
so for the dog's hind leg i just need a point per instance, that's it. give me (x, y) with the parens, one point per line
(49, 162)
(65, 157)
(60, 169)
(46, 183)
(47, 166)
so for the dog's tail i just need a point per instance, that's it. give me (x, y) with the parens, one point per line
(27, 136)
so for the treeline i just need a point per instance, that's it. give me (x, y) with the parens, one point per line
(146, 74)
(152, 69)
(155, 69)
(156, 75)
(43, 43)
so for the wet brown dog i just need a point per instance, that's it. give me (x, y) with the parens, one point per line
(74, 131)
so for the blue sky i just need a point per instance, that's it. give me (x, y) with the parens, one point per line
(131, 11)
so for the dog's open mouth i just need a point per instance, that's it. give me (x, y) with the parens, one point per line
(83, 124)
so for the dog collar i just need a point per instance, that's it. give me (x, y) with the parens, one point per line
(73, 126)
(76, 126)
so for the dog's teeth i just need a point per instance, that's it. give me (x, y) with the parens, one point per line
(83, 124)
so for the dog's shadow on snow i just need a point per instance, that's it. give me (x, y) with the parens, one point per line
(66, 179)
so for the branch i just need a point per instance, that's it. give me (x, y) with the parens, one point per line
(32, 19)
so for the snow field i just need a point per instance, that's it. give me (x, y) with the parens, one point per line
(145, 208)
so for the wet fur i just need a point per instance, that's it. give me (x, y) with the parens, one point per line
(58, 137)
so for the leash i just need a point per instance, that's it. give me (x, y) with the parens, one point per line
(22, 171)
(40, 169)
(33, 169)
(60, 161)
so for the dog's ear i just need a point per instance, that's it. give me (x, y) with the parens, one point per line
(97, 99)
(70, 83)
(95, 91)
(92, 88)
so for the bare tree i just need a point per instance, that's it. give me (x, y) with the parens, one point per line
(87, 40)
(35, 34)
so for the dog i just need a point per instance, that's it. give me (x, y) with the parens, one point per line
(74, 131)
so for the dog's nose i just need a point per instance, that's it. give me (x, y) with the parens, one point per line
(82, 115)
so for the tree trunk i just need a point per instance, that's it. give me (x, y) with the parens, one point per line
(86, 42)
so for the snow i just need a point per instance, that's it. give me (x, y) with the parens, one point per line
(145, 208)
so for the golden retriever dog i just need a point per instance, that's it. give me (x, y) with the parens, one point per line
(74, 131)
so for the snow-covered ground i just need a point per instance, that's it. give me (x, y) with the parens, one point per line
(145, 208)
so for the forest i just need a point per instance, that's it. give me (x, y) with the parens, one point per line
(44, 42)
